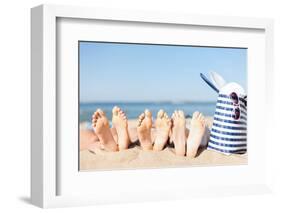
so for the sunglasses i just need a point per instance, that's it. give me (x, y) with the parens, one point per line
(235, 101)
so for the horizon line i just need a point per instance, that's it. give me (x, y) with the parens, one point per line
(122, 101)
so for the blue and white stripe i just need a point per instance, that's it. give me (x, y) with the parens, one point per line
(228, 136)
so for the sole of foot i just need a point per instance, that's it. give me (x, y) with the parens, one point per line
(144, 130)
(120, 122)
(179, 132)
(163, 126)
(197, 132)
(101, 127)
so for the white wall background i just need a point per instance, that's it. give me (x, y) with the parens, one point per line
(15, 99)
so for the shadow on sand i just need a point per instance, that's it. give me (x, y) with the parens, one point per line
(25, 199)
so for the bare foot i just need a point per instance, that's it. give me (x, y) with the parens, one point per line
(102, 129)
(163, 125)
(179, 132)
(144, 130)
(197, 131)
(120, 122)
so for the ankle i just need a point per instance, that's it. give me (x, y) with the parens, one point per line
(111, 146)
(124, 144)
(191, 153)
(158, 145)
(146, 145)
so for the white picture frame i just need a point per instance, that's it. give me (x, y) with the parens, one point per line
(45, 168)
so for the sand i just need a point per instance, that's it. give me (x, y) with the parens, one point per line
(136, 158)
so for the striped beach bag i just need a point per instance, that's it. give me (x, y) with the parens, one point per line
(229, 129)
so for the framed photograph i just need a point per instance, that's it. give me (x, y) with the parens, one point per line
(129, 106)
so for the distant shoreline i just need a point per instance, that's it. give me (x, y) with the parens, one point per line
(134, 109)
(147, 102)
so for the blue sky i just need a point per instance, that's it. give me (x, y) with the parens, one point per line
(112, 72)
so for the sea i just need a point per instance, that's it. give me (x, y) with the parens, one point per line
(134, 109)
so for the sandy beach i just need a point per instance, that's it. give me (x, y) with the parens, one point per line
(136, 158)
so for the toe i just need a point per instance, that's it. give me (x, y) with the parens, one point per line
(195, 115)
(160, 113)
(181, 114)
(202, 119)
(141, 117)
(94, 116)
(122, 113)
(94, 122)
(176, 114)
(97, 115)
(100, 113)
(200, 116)
(115, 110)
(124, 117)
(166, 115)
(148, 113)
